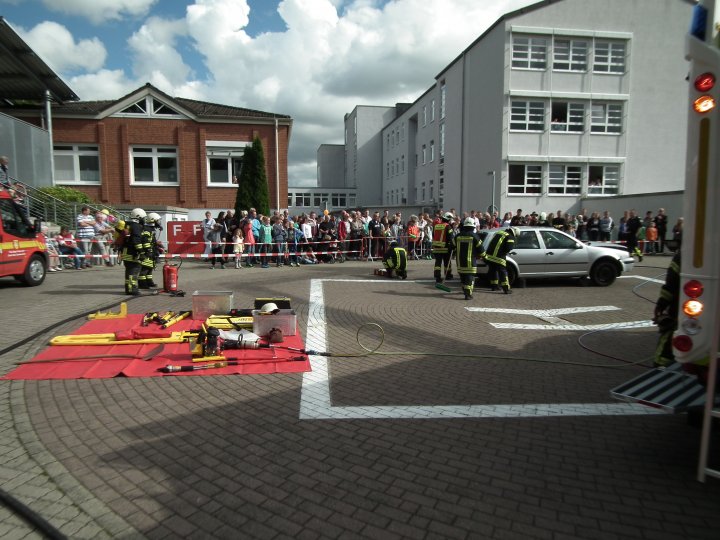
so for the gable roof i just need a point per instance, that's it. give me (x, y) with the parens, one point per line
(194, 109)
(23, 74)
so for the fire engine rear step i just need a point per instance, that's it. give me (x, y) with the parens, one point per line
(669, 389)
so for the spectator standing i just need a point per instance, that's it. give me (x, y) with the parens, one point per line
(249, 241)
(216, 237)
(559, 222)
(677, 231)
(375, 230)
(238, 244)
(85, 224)
(593, 227)
(103, 238)
(518, 218)
(52, 250)
(651, 236)
(5, 181)
(208, 227)
(279, 237)
(661, 223)
(265, 241)
(606, 226)
(413, 233)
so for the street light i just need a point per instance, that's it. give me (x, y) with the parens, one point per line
(492, 208)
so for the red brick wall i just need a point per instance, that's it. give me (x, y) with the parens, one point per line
(115, 135)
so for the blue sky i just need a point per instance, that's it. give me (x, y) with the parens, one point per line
(314, 60)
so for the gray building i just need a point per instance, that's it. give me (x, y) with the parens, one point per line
(331, 166)
(560, 105)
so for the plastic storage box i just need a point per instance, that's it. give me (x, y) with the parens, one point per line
(285, 320)
(206, 303)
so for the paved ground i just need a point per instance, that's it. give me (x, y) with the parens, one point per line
(479, 439)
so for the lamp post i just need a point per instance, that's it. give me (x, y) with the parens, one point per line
(492, 205)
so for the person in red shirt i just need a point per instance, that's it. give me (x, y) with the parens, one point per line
(68, 246)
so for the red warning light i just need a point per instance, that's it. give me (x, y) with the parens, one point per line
(705, 82)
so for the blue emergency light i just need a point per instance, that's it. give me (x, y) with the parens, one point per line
(698, 25)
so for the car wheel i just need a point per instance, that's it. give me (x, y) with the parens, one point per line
(34, 271)
(603, 273)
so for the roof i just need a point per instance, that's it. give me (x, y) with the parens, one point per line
(198, 109)
(23, 74)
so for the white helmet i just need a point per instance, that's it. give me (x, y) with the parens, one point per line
(469, 222)
(153, 217)
(447, 216)
(269, 309)
(515, 231)
(137, 213)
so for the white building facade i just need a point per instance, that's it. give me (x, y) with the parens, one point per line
(556, 106)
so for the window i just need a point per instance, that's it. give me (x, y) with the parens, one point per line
(224, 170)
(529, 52)
(302, 199)
(387, 169)
(604, 180)
(154, 164)
(564, 179)
(387, 142)
(422, 191)
(432, 190)
(442, 141)
(527, 240)
(424, 115)
(609, 57)
(432, 151)
(570, 55)
(319, 199)
(76, 163)
(290, 199)
(525, 179)
(351, 201)
(424, 154)
(402, 163)
(149, 106)
(355, 125)
(567, 117)
(606, 118)
(557, 240)
(527, 116)
(339, 200)
(443, 93)
(397, 137)
(432, 110)
(15, 221)
(402, 132)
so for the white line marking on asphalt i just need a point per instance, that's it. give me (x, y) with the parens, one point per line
(315, 402)
(653, 280)
(544, 312)
(574, 327)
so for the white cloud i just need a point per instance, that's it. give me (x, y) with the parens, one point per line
(98, 11)
(155, 54)
(56, 46)
(104, 84)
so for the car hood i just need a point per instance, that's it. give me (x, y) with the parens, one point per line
(607, 245)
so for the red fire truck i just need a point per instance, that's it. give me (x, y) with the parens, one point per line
(23, 253)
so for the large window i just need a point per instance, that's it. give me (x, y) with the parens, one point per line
(567, 117)
(570, 55)
(154, 164)
(443, 94)
(564, 179)
(525, 180)
(339, 200)
(609, 57)
(442, 141)
(603, 180)
(527, 116)
(320, 199)
(606, 118)
(302, 199)
(76, 163)
(529, 52)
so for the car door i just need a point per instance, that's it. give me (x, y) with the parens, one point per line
(528, 254)
(14, 230)
(564, 255)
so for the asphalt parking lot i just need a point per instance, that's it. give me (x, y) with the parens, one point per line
(482, 419)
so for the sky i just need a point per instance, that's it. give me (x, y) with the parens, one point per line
(314, 60)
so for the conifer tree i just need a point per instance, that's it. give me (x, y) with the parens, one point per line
(261, 191)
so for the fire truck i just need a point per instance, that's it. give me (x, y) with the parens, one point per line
(23, 253)
(695, 342)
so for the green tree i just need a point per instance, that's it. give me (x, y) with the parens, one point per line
(253, 189)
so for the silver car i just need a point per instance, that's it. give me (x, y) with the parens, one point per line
(544, 252)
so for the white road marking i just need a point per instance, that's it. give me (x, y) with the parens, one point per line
(642, 278)
(316, 404)
(545, 312)
(574, 327)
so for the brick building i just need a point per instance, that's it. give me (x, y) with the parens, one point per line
(156, 151)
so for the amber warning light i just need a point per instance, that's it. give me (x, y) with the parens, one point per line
(704, 104)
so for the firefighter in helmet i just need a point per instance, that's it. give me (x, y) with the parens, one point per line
(467, 245)
(395, 258)
(666, 313)
(500, 245)
(133, 251)
(442, 246)
(151, 227)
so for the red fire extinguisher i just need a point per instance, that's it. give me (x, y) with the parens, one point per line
(170, 276)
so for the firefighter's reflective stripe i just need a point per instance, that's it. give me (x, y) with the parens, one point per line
(23, 244)
(465, 246)
(440, 238)
(397, 259)
(499, 246)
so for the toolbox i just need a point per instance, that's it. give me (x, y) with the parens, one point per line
(206, 303)
(284, 320)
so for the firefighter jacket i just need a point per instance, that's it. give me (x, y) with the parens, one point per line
(500, 245)
(467, 245)
(442, 238)
(149, 245)
(670, 291)
(133, 250)
(395, 258)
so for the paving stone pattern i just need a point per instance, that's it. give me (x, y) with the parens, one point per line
(229, 457)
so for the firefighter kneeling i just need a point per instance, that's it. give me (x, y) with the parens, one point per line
(395, 258)
(495, 257)
(467, 244)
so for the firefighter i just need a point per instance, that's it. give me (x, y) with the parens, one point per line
(151, 231)
(466, 245)
(666, 313)
(441, 247)
(395, 258)
(133, 251)
(500, 245)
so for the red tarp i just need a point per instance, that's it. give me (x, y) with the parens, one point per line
(253, 361)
